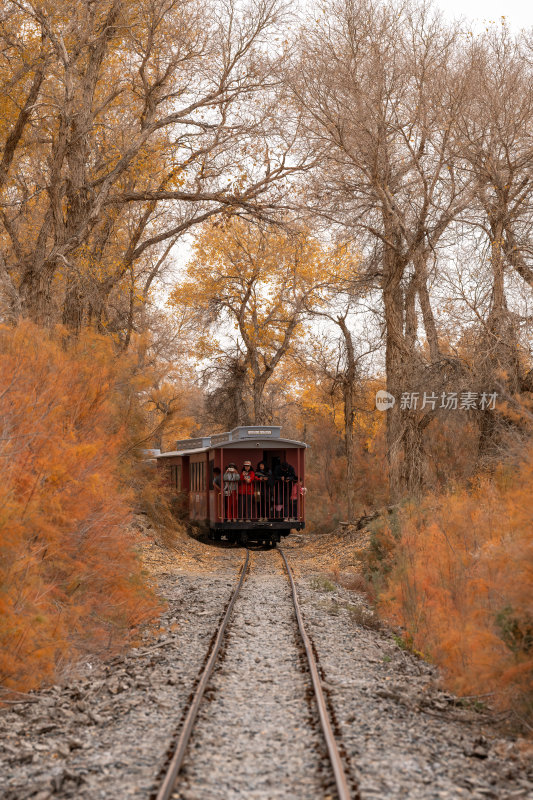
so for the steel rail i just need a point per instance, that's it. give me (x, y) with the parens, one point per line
(168, 784)
(331, 744)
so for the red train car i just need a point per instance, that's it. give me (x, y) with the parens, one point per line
(261, 509)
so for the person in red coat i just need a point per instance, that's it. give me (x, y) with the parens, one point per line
(246, 490)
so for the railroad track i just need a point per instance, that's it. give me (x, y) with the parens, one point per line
(170, 778)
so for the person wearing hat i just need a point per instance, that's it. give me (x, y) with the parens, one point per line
(231, 487)
(246, 490)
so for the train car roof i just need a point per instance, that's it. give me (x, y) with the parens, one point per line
(245, 436)
(183, 452)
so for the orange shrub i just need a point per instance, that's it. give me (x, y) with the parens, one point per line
(461, 585)
(70, 580)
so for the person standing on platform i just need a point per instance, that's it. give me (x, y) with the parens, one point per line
(246, 491)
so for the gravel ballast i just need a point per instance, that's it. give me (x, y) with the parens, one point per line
(404, 737)
(105, 732)
(258, 735)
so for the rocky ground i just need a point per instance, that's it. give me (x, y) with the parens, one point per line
(404, 737)
(258, 736)
(103, 731)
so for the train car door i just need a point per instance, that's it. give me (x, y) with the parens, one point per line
(274, 457)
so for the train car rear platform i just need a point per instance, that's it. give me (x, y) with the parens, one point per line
(261, 509)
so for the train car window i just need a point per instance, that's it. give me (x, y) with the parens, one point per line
(179, 484)
(211, 475)
(198, 474)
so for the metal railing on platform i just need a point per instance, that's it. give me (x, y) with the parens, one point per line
(262, 501)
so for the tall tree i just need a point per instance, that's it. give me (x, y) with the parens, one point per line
(493, 137)
(129, 123)
(380, 87)
(339, 363)
(262, 282)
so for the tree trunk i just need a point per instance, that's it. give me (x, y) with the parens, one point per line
(430, 326)
(414, 460)
(393, 307)
(405, 450)
(73, 308)
(349, 449)
(348, 386)
(239, 400)
(258, 391)
(36, 293)
(499, 349)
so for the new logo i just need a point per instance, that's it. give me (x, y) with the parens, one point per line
(384, 400)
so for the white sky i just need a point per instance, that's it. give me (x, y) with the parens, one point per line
(518, 13)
